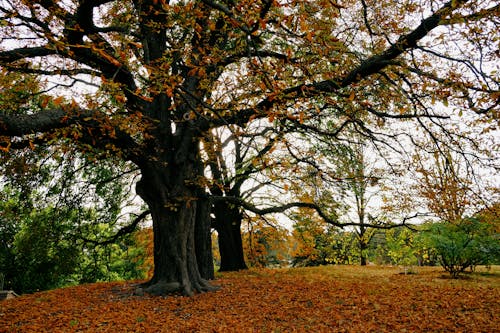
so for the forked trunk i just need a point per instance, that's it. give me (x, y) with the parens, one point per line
(173, 202)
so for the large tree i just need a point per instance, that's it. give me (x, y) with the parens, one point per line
(166, 73)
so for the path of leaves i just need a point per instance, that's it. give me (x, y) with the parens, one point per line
(328, 299)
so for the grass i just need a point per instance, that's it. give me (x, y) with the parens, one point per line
(318, 299)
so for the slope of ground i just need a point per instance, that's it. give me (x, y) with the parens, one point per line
(323, 299)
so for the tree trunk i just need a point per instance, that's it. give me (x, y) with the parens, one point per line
(362, 256)
(203, 239)
(228, 226)
(170, 190)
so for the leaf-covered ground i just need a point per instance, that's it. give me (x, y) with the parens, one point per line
(324, 299)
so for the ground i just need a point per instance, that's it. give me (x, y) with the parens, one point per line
(322, 299)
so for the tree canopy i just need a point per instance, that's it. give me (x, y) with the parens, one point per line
(146, 80)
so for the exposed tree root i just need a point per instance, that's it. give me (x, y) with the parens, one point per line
(163, 288)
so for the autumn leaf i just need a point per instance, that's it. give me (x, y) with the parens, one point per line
(58, 100)
(351, 96)
(319, 299)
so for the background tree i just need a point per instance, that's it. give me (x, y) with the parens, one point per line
(227, 216)
(347, 183)
(463, 245)
(401, 247)
(233, 163)
(168, 72)
(57, 232)
(266, 243)
(359, 181)
(313, 241)
(445, 188)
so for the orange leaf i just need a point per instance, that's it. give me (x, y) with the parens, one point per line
(58, 101)
(351, 96)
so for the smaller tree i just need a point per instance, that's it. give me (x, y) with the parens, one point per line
(314, 243)
(401, 248)
(463, 245)
(265, 243)
(343, 246)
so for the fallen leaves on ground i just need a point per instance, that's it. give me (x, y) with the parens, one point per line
(324, 299)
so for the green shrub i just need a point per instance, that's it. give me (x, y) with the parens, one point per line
(463, 245)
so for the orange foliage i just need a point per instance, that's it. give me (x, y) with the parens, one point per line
(305, 233)
(491, 215)
(326, 299)
(144, 238)
(264, 243)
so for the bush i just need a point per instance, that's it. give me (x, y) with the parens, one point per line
(40, 248)
(463, 245)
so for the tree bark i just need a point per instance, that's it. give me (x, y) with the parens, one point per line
(203, 239)
(228, 226)
(362, 248)
(172, 194)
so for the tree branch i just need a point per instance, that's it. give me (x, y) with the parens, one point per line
(369, 66)
(45, 121)
(120, 233)
(25, 52)
(98, 130)
(280, 209)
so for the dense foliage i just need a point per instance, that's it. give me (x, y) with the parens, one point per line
(45, 247)
(463, 245)
(59, 218)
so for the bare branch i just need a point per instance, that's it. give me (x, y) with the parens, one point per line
(128, 229)
(280, 209)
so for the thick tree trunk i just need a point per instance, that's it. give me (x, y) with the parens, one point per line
(228, 226)
(171, 194)
(203, 239)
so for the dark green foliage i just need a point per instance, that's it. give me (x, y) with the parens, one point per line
(463, 245)
(44, 249)
(55, 210)
(43, 253)
(9, 227)
(118, 261)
